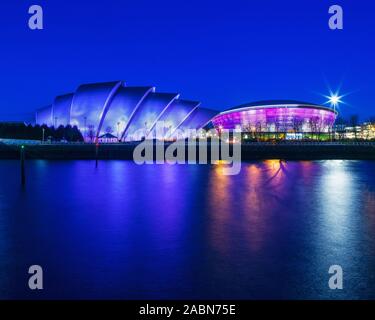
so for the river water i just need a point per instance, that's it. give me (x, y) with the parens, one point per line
(123, 231)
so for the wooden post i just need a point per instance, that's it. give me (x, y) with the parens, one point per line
(23, 176)
(96, 154)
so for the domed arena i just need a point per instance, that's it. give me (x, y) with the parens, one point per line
(283, 118)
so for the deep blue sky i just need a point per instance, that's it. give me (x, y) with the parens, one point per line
(223, 53)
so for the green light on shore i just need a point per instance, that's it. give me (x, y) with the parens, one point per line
(22, 147)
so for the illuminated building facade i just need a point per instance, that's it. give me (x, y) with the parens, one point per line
(133, 113)
(366, 131)
(129, 113)
(281, 116)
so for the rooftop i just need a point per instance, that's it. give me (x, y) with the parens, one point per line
(272, 103)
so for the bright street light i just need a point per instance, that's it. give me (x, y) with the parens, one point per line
(334, 100)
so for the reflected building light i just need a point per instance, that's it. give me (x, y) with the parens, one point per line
(220, 209)
(338, 191)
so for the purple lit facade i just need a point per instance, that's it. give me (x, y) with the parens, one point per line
(278, 116)
(128, 113)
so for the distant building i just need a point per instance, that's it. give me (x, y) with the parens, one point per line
(107, 138)
(13, 123)
(366, 131)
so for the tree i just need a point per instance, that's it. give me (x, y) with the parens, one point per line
(312, 127)
(297, 124)
(76, 134)
(258, 130)
(60, 133)
(340, 126)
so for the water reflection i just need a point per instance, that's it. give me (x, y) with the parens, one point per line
(254, 209)
(220, 207)
(338, 199)
(124, 231)
(246, 204)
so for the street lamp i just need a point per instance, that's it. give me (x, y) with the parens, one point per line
(43, 130)
(334, 99)
(85, 129)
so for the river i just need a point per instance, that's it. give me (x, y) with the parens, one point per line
(124, 231)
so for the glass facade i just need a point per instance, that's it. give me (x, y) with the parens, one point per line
(288, 118)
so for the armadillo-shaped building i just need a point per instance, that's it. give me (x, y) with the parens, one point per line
(131, 112)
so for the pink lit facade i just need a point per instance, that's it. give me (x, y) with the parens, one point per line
(284, 117)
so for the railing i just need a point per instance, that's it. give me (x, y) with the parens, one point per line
(313, 143)
(16, 142)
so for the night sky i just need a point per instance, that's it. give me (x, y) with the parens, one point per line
(222, 53)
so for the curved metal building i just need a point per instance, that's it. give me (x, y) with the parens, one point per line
(277, 116)
(130, 113)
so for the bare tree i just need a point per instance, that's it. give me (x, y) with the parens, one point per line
(312, 127)
(319, 127)
(246, 128)
(258, 129)
(297, 125)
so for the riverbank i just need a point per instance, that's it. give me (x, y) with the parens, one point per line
(250, 151)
